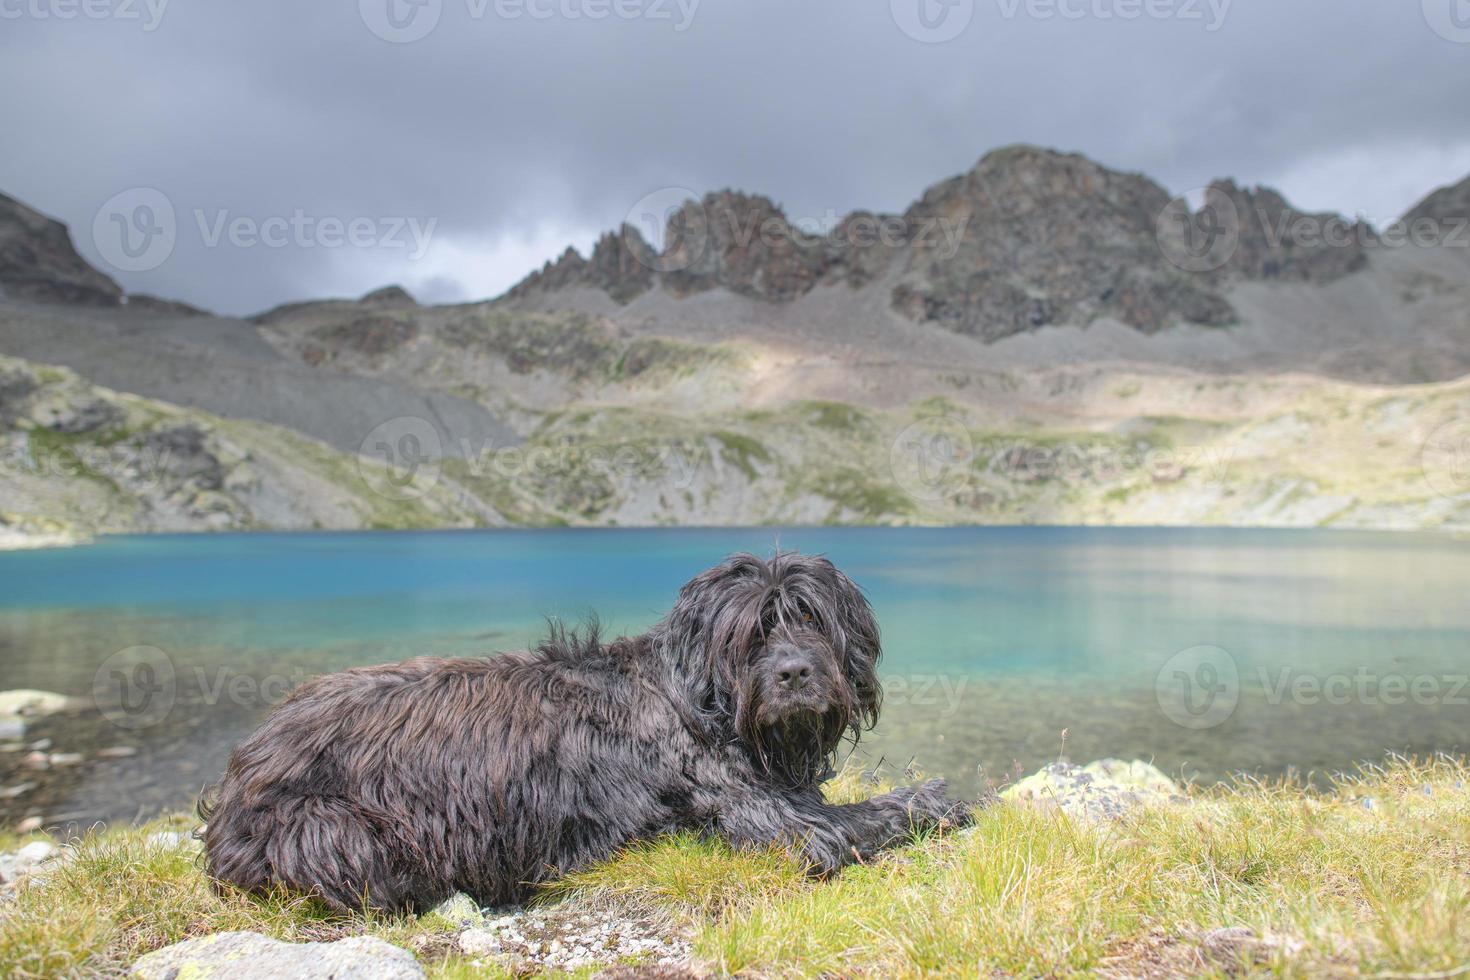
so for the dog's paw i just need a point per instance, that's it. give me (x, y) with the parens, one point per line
(931, 808)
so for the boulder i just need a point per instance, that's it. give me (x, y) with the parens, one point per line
(39, 264)
(1102, 790)
(250, 956)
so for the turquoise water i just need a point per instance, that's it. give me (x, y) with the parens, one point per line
(1200, 649)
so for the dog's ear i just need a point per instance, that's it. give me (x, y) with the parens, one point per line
(712, 624)
(860, 644)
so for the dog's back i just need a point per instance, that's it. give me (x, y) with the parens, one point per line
(395, 786)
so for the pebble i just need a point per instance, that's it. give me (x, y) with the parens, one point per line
(65, 758)
(19, 789)
(571, 938)
(36, 851)
(117, 752)
(29, 825)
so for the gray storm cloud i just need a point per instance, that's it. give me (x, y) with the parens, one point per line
(508, 128)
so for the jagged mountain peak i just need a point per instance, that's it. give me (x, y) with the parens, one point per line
(39, 263)
(1028, 237)
(1449, 203)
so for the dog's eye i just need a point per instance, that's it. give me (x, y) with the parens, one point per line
(806, 617)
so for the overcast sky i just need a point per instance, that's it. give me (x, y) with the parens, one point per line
(322, 147)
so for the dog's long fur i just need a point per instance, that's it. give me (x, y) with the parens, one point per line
(392, 787)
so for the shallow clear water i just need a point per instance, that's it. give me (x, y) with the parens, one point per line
(1209, 651)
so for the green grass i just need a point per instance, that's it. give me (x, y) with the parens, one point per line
(1327, 884)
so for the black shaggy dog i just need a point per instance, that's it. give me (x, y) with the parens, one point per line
(393, 787)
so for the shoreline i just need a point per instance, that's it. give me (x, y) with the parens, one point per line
(12, 540)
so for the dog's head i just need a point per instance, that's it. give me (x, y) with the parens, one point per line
(783, 655)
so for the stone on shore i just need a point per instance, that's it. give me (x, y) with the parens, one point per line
(250, 956)
(1103, 790)
(17, 706)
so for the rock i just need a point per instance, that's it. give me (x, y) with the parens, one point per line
(65, 758)
(573, 937)
(162, 307)
(117, 752)
(646, 971)
(32, 704)
(373, 335)
(1240, 944)
(1279, 242)
(36, 852)
(1102, 790)
(73, 413)
(390, 296)
(460, 910)
(169, 839)
(479, 942)
(29, 825)
(1448, 204)
(19, 789)
(12, 728)
(26, 861)
(250, 956)
(622, 265)
(38, 262)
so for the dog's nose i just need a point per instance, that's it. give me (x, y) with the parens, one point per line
(793, 673)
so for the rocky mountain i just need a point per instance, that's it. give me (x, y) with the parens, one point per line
(78, 459)
(38, 261)
(1027, 239)
(1041, 339)
(1448, 204)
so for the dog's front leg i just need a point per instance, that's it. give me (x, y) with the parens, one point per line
(828, 836)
